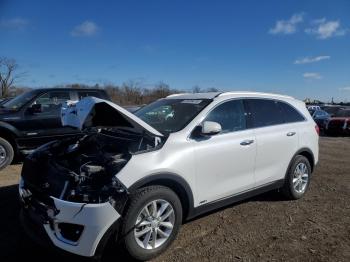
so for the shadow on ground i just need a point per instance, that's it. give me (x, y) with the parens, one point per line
(16, 246)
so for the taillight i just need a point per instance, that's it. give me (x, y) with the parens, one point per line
(317, 129)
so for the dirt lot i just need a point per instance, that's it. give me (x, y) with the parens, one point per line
(264, 228)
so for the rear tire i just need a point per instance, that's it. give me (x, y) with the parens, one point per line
(139, 245)
(297, 180)
(6, 153)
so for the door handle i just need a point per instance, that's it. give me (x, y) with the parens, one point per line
(291, 133)
(247, 142)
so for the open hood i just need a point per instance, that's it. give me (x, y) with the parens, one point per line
(96, 112)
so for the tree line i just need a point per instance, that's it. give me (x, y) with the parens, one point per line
(129, 93)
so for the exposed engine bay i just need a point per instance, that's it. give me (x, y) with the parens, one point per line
(83, 169)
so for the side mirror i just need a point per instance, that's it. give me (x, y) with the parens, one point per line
(35, 108)
(210, 128)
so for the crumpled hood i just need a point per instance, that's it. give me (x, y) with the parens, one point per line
(96, 112)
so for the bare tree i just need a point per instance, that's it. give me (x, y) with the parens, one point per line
(212, 89)
(7, 75)
(196, 89)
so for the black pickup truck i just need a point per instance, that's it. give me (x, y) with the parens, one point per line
(33, 118)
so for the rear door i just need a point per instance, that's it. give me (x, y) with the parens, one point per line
(225, 162)
(276, 137)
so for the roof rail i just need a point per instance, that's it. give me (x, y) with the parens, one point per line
(254, 93)
(178, 94)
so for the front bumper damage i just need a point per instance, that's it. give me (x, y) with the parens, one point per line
(78, 228)
(70, 188)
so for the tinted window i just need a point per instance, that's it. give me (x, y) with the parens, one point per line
(290, 114)
(320, 113)
(17, 102)
(230, 115)
(265, 112)
(51, 102)
(311, 112)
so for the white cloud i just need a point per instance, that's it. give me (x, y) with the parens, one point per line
(346, 88)
(14, 23)
(324, 29)
(308, 59)
(287, 26)
(87, 28)
(312, 76)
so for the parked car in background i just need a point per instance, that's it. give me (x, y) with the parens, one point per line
(339, 125)
(321, 118)
(34, 118)
(313, 108)
(332, 110)
(134, 178)
(4, 100)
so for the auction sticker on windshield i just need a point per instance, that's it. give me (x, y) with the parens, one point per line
(195, 102)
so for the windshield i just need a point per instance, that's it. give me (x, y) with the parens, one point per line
(17, 102)
(343, 113)
(171, 115)
(311, 111)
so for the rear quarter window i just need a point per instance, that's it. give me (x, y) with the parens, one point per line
(290, 114)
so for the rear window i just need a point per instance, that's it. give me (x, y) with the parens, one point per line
(265, 112)
(290, 114)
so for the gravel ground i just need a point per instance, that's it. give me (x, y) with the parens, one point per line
(264, 228)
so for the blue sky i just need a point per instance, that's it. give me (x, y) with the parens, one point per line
(300, 48)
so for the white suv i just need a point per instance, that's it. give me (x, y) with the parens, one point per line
(136, 178)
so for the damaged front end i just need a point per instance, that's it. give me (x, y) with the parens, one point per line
(79, 170)
(71, 186)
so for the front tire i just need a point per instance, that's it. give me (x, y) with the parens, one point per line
(297, 180)
(6, 153)
(151, 222)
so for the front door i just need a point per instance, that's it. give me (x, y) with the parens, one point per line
(44, 125)
(225, 162)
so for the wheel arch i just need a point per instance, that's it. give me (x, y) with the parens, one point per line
(306, 152)
(173, 181)
(8, 133)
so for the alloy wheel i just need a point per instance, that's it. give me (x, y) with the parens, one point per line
(154, 224)
(300, 178)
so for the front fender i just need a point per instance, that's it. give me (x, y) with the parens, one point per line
(8, 128)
